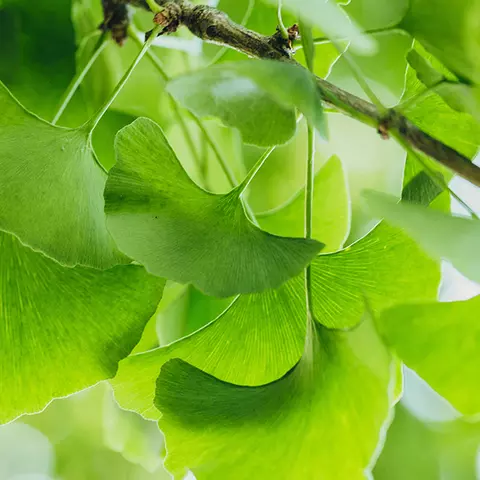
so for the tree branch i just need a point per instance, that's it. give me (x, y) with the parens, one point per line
(214, 26)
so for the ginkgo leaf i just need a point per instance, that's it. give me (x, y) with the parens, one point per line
(449, 31)
(63, 329)
(460, 97)
(226, 91)
(264, 333)
(335, 400)
(331, 222)
(238, 102)
(159, 217)
(444, 236)
(51, 189)
(441, 342)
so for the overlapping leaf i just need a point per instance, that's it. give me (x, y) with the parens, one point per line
(452, 238)
(64, 329)
(239, 102)
(441, 342)
(449, 31)
(300, 426)
(264, 333)
(51, 189)
(331, 209)
(159, 217)
(243, 95)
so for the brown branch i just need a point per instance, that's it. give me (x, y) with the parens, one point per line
(212, 25)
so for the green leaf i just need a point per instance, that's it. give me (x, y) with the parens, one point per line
(299, 426)
(441, 342)
(262, 335)
(428, 75)
(422, 107)
(37, 58)
(64, 329)
(225, 88)
(331, 210)
(52, 189)
(460, 97)
(238, 102)
(449, 31)
(178, 231)
(455, 239)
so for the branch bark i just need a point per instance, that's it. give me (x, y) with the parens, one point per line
(214, 26)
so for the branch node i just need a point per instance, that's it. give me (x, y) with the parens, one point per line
(169, 18)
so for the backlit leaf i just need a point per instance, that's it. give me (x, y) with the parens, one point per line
(441, 342)
(178, 231)
(449, 31)
(331, 210)
(52, 189)
(299, 426)
(443, 236)
(64, 329)
(262, 335)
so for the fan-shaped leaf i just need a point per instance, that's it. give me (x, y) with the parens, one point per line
(441, 342)
(159, 217)
(331, 210)
(243, 95)
(264, 333)
(452, 238)
(299, 426)
(51, 189)
(64, 329)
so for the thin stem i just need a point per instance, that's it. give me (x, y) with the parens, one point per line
(357, 73)
(101, 112)
(254, 170)
(176, 111)
(373, 31)
(78, 78)
(281, 25)
(154, 7)
(246, 17)
(309, 192)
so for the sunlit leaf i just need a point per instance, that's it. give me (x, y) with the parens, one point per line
(331, 210)
(441, 342)
(465, 137)
(52, 189)
(209, 424)
(460, 97)
(443, 236)
(178, 231)
(449, 31)
(229, 88)
(64, 329)
(262, 335)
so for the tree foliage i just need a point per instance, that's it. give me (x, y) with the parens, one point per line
(227, 241)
